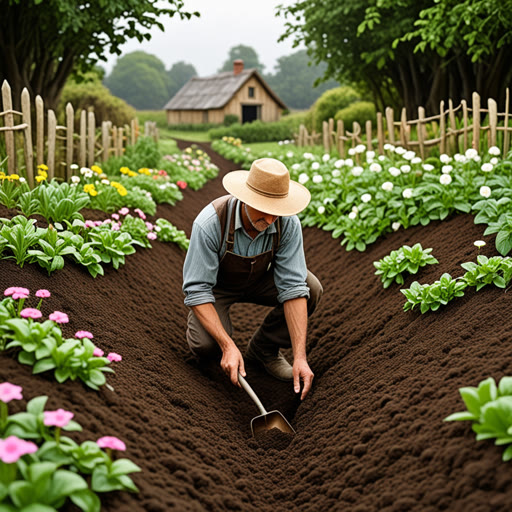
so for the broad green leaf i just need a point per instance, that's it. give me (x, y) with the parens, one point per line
(471, 400)
(487, 390)
(123, 467)
(86, 500)
(36, 405)
(461, 416)
(505, 386)
(65, 483)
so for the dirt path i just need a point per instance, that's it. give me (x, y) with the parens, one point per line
(370, 437)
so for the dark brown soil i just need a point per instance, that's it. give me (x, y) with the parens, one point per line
(370, 435)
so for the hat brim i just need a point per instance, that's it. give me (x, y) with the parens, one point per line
(297, 199)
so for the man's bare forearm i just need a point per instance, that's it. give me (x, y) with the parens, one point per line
(210, 320)
(296, 314)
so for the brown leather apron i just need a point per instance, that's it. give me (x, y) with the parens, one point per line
(239, 273)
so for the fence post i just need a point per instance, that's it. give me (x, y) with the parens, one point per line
(83, 137)
(132, 132)
(325, 136)
(403, 128)
(369, 142)
(120, 132)
(453, 126)
(380, 133)
(9, 122)
(52, 137)
(91, 138)
(331, 133)
(390, 123)
(493, 121)
(340, 138)
(105, 140)
(419, 129)
(114, 140)
(28, 147)
(70, 121)
(506, 132)
(476, 121)
(442, 129)
(39, 130)
(465, 121)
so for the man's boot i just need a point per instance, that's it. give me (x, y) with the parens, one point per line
(271, 359)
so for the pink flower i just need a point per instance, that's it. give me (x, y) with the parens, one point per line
(115, 216)
(60, 318)
(12, 448)
(115, 226)
(111, 442)
(107, 221)
(16, 290)
(161, 172)
(43, 294)
(10, 392)
(84, 334)
(114, 357)
(182, 184)
(17, 296)
(98, 222)
(89, 224)
(140, 213)
(31, 313)
(98, 352)
(152, 236)
(149, 226)
(124, 211)
(58, 418)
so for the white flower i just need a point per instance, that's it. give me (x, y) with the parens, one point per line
(471, 153)
(335, 173)
(494, 161)
(339, 163)
(459, 158)
(407, 193)
(349, 162)
(357, 171)
(22, 179)
(352, 215)
(366, 198)
(289, 154)
(73, 166)
(317, 178)
(84, 170)
(328, 200)
(488, 167)
(162, 187)
(355, 209)
(326, 157)
(280, 142)
(494, 150)
(370, 155)
(389, 147)
(158, 228)
(303, 178)
(321, 210)
(446, 169)
(360, 148)
(445, 179)
(295, 167)
(88, 174)
(409, 155)
(308, 156)
(399, 150)
(479, 243)
(428, 167)
(394, 171)
(382, 158)
(416, 160)
(395, 226)
(315, 166)
(387, 186)
(375, 167)
(445, 159)
(405, 168)
(485, 191)
(477, 158)
(351, 151)
(105, 182)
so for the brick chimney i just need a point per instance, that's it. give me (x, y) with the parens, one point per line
(238, 66)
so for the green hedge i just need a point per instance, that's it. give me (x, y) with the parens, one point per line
(256, 131)
(360, 112)
(189, 127)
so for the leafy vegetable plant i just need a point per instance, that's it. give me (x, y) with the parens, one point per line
(503, 226)
(496, 270)
(406, 259)
(167, 232)
(490, 408)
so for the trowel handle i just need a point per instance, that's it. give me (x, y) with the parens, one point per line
(251, 393)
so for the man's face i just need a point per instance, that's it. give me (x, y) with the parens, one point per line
(260, 220)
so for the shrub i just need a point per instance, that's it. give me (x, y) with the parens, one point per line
(230, 119)
(191, 127)
(256, 131)
(331, 102)
(360, 112)
(144, 153)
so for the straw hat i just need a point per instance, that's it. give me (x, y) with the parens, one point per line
(267, 187)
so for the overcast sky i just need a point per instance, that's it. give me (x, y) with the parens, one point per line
(205, 41)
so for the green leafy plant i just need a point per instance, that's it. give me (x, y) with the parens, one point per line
(167, 232)
(432, 296)
(11, 188)
(406, 259)
(112, 246)
(59, 202)
(489, 407)
(496, 270)
(20, 234)
(137, 229)
(503, 226)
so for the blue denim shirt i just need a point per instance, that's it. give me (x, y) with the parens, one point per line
(204, 253)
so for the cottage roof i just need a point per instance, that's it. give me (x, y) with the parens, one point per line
(204, 93)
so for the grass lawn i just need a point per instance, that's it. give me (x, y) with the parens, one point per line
(258, 148)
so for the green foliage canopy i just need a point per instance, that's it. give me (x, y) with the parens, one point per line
(247, 54)
(179, 74)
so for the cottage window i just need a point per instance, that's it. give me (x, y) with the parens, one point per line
(251, 92)
(205, 116)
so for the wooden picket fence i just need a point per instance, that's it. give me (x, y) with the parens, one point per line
(59, 147)
(449, 138)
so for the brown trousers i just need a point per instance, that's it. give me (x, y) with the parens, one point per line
(272, 333)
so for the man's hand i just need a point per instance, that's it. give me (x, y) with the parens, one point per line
(302, 371)
(232, 362)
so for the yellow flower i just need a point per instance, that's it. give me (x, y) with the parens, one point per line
(44, 174)
(93, 193)
(40, 178)
(96, 169)
(132, 174)
(122, 191)
(4, 177)
(125, 170)
(115, 184)
(42, 167)
(188, 150)
(144, 170)
(90, 189)
(15, 177)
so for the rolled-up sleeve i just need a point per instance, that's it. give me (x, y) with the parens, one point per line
(201, 266)
(290, 270)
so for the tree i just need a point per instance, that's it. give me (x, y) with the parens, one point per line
(41, 43)
(141, 80)
(409, 52)
(247, 54)
(294, 80)
(179, 74)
